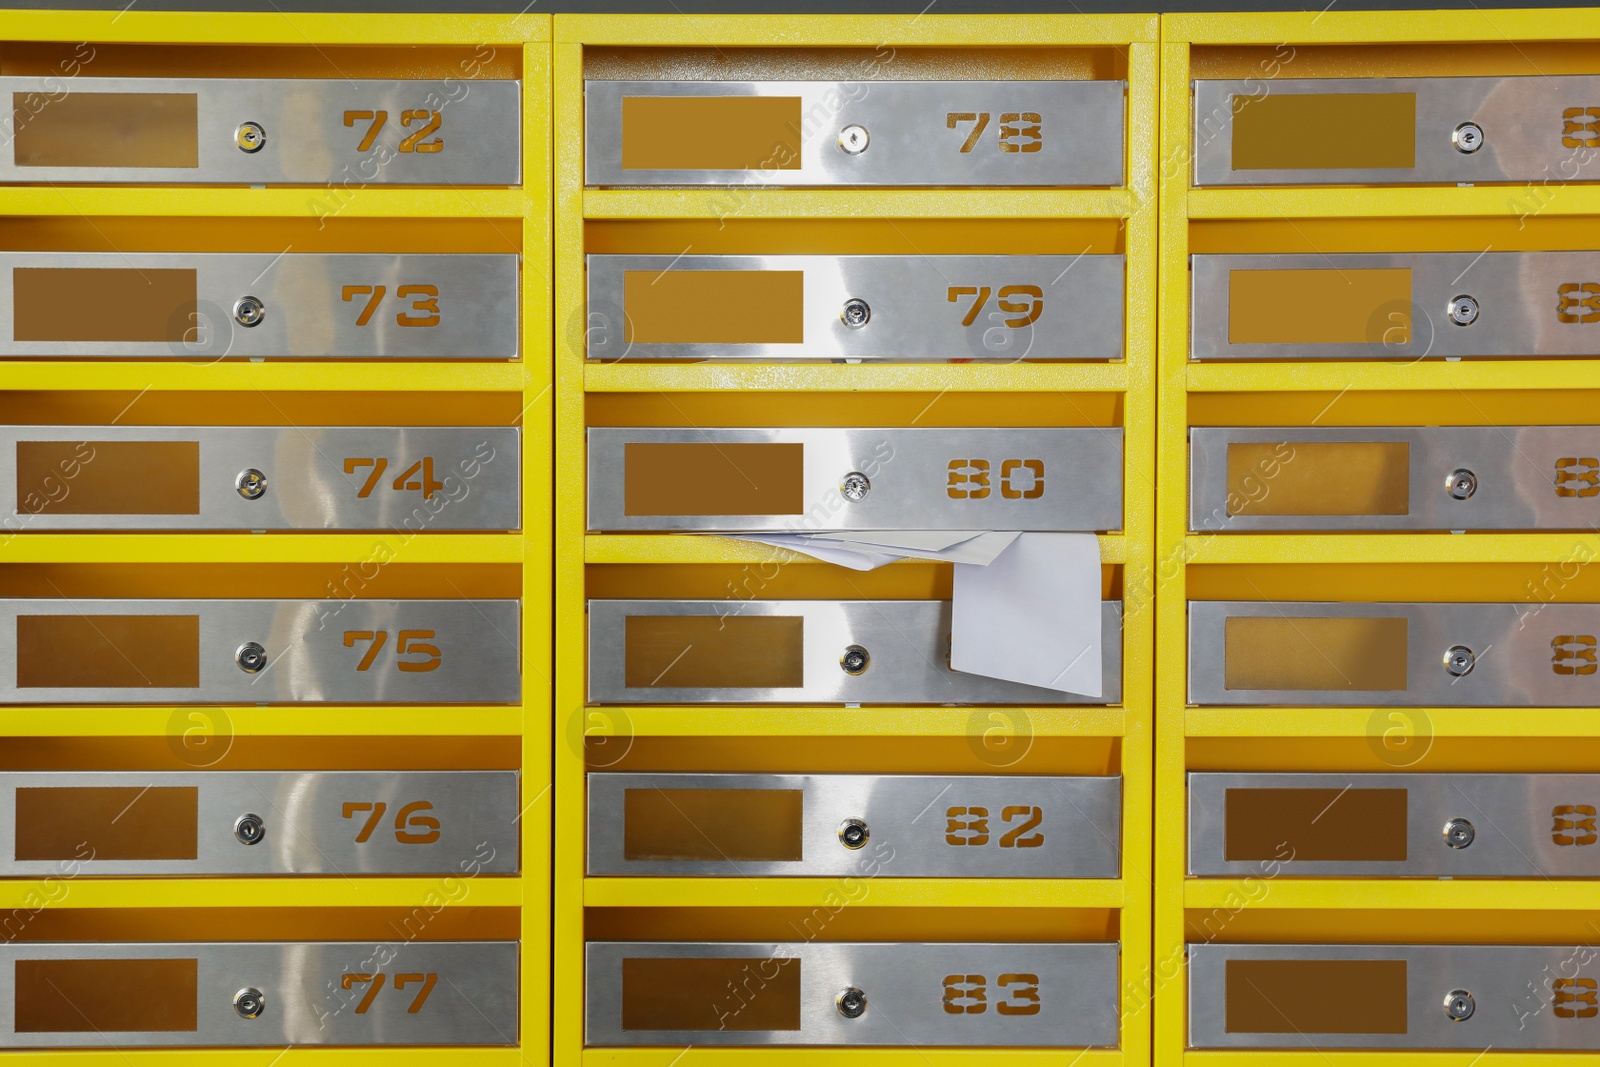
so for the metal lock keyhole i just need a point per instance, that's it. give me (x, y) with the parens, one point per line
(248, 311)
(852, 1003)
(855, 486)
(1461, 484)
(856, 660)
(1459, 661)
(1468, 138)
(250, 829)
(1458, 833)
(854, 139)
(251, 483)
(249, 1002)
(853, 833)
(250, 136)
(251, 658)
(1459, 1005)
(856, 313)
(1463, 310)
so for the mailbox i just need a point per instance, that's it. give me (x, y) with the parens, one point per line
(757, 825)
(880, 133)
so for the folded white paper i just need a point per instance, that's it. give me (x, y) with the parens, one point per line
(1032, 615)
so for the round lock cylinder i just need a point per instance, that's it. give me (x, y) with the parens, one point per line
(1458, 833)
(855, 486)
(853, 833)
(1462, 310)
(248, 311)
(251, 658)
(250, 829)
(854, 139)
(1459, 661)
(1467, 137)
(251, 484)
(852, 1003)
(1461, 484)
(855, 660)
(856, 313)
(249, 1003)
(1459, 1005)
(250, 137)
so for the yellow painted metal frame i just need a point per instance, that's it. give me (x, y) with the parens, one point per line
(1132, 380)
(525, 211)
(1339, 738)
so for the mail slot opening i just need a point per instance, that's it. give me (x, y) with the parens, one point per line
(1299, 997)
(712, 825)
(108, 651)
(107, 822)
(108, 477)
(715, 993)
(1285, 307)
(1316, 824)
(1315, 131)
(1319, 478)
(711, 478)
(1280, 652)
(106, 996)
(714, 652)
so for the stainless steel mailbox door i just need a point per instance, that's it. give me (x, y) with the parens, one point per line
(822, 480)
(1245, 479)
(910, 308)
(1469, 997)
(407, 992)
(412, 478)
(62, 651)
(210, 306)
(1394, 825)
(1404, 306)
(921, 995)
(1362, 131)
(908, 826)
(792, 652)
(1531, 654)
(259, 822)
(340, 134)
(958, 133)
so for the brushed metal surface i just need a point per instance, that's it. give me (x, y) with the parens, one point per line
(1528, 478)
(910, 471)
(908, 641)
(915, 316)
(306, 315)
(308, 487)
(307, 139)
(1514, 646)
(307, 829)
(308, 660)
(905, 986)
(473, 1000)
(924, 821)
(1512, 985)
(1514, 817)
(1516, 292)
(912, 140)
(1521, 119)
